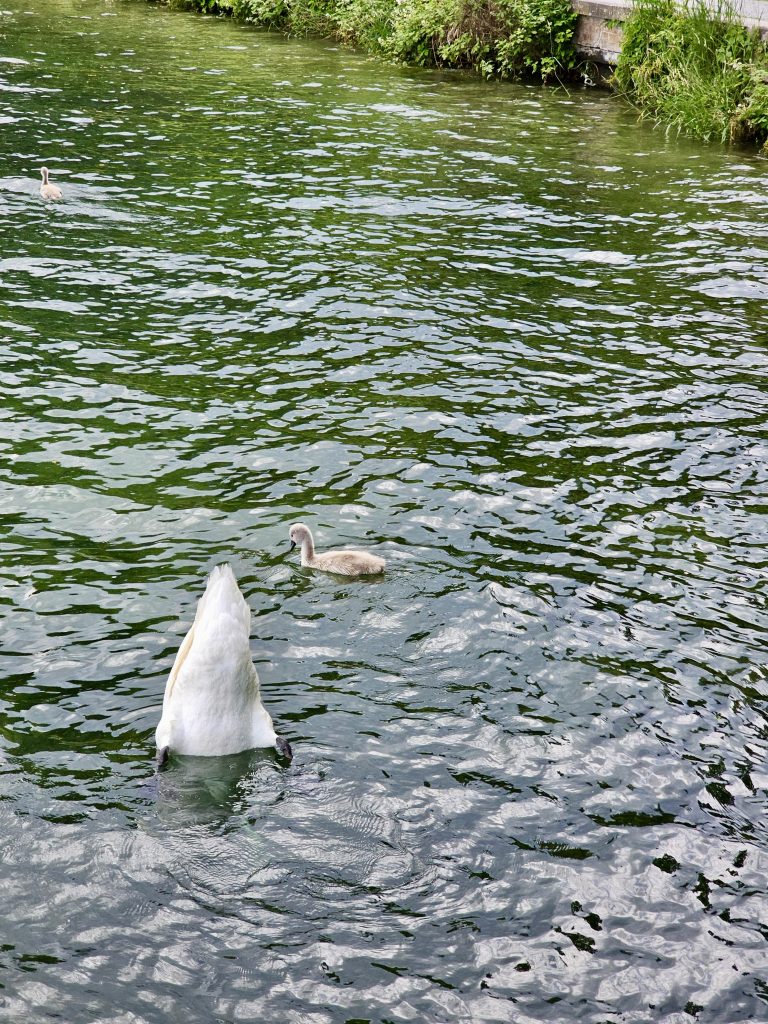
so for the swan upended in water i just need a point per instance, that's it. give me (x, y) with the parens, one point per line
(344, 563)
(212, 704)
(47, 189)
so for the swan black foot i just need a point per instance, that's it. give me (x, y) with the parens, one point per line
(283, 748)
(162, 756)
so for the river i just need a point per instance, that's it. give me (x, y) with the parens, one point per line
(504, 336)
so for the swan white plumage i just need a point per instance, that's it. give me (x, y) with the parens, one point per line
(344, 563)
(212, 704)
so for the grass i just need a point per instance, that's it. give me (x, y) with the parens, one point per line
(696, 71)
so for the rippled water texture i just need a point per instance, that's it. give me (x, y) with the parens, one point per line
(506, 337)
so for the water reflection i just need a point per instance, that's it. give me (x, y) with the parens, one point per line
(214, 790)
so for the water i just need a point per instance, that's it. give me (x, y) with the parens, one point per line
(504, 336)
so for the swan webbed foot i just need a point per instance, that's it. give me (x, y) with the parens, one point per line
(283, 747)
(163, 754)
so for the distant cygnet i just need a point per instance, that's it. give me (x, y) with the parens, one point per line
(344, 563)
(212, 704)
(47, 190)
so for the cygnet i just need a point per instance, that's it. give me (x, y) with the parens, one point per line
(47, 190)
(344, 563)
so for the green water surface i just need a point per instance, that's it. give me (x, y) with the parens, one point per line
(505, 337)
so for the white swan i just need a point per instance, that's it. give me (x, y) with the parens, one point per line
(47, 190)
(212, 704)
(344, 563)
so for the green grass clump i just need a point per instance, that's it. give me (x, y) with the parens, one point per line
(698, 71)
(504, 38)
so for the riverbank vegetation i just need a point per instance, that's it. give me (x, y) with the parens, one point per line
(696, 71)
(501, 38)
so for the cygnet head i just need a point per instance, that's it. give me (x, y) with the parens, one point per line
(44, 173)
(299, 533)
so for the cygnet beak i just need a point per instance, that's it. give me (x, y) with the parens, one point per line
(293, 545)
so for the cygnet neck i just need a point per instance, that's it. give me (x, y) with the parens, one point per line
(307, 547)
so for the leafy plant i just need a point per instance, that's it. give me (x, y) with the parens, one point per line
(365, 23)
(507, 38)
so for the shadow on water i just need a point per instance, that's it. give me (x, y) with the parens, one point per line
(216, 790)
